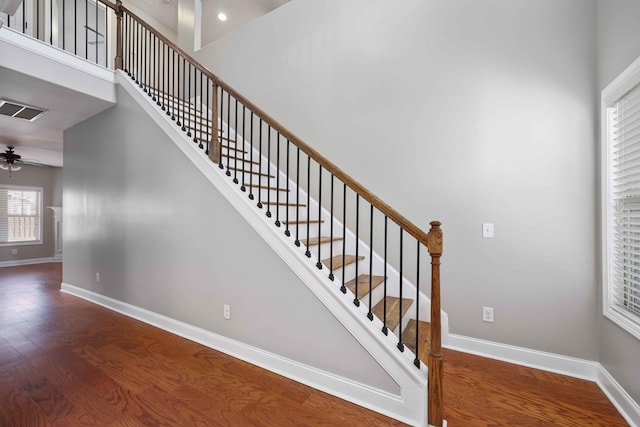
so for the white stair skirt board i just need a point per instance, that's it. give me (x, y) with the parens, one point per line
(564, 365)
(30, 261)
(410, 406)
(392, 274)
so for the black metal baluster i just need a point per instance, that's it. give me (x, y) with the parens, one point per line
(370, 313)
(308, 252)
(331, 276)
(235, 144)
(64, 25)
(268, 171)
(286, 231)
(400, 344)
(384, 297)
(343, 288)
(86, 28)
(251, 157)
(190, 117)
(182, 108)
(260, 167)
(174, 96)
(153, 82)
(209, 128)
(243, 188)
(138, 49)
(220, 165)
(163, 80)
(147, 57)
(75, 26)
(106, 38)
(50, 24)
(356, 301)
(96, 33)
(417, 352)
(202, 113)
(229, 133)
(167, 80)
(278, 180)
(38, 19)
(297, 242)
(319, 263)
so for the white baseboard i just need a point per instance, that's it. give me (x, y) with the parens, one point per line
(17, 262)
(352, 391)
(624, 403)
(565, 365)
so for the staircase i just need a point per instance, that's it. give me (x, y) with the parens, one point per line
(358, 245)
(291, 208)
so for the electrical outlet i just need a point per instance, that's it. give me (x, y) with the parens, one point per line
(487, 231)
(487, 314)
(97, 277)
(227, 311)
(14, 251)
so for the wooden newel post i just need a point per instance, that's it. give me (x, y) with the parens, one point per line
(119, 14)
(214, 153)
(434, 245)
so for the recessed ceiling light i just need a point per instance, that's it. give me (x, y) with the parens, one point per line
(222, 16)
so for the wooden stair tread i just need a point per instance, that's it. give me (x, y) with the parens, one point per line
(240, 159)
(393, 310)
(322, 239)
(363, 284)
(409, 338)
(264, 187)
(302, 221)
(337, 261)
(290, 204)
(237, 150)
(231, 168)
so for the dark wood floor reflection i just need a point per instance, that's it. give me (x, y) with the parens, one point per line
(67, 362)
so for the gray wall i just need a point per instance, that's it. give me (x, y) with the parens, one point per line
(462, 111)
(164, 239)
(33, 176)
(618, 47)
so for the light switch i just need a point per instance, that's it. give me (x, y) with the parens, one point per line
(487, 231)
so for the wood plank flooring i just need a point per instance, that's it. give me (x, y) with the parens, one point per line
(67, 362)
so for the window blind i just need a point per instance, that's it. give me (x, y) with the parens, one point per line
(624, 191)
(20, 215)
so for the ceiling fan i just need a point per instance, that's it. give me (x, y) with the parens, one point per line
(13, 162)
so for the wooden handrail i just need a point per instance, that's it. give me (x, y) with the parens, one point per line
(432, 240)
(434, 245)
(327, 165)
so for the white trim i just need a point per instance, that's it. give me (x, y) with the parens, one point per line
(565, 365)
(17, 262)
(50, 63)
(54, 53)
(361, 394)
(559, 364)
(624, 403)
(622, 84)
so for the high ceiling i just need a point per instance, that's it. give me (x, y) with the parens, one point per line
(41, 140)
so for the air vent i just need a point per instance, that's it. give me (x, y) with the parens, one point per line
(20, 111)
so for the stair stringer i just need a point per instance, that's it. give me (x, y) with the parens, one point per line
(410, 405)
(393, 275)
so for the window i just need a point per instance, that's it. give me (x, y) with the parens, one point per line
(621, 199)
(20, 215)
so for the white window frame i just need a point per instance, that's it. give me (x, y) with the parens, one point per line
(616, 90)
(41, 214)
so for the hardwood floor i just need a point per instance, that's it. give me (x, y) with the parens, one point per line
(67, 362)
